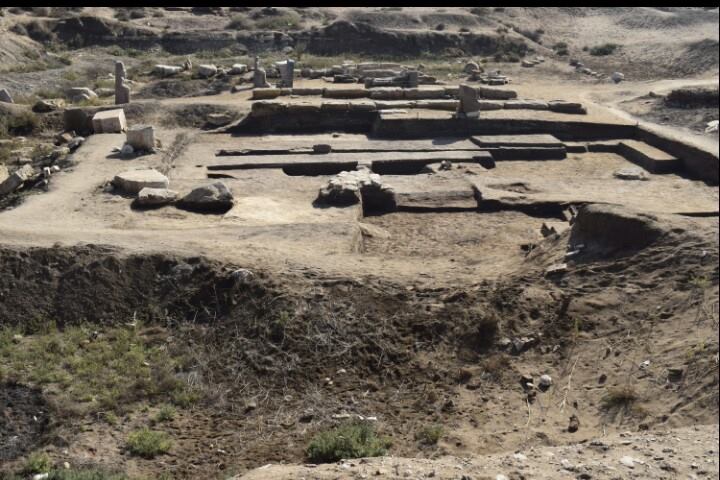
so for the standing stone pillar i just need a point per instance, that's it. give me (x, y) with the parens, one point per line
(122, 91)
(259, 76)
(412, 79)
(287, 73)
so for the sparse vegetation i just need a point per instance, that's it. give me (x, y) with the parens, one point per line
(37, 462)
(240, 22)
(351, 440)
(604, 49)
(623, 398)
(105, 370)
(430, 434)
(282, 21)
(18, 122)
(147, 443)
(166, 413)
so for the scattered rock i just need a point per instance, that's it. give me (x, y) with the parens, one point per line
(556, 269)
(5, 96)
(545, 382)
(631, 173)
(207, 71)
(617, 77)
(45, 106)
(166, 70)
(16, 179)
(215, 197)
(238, 69)
(574, 424)
(133, 181)
(471, 67)
(155, 197)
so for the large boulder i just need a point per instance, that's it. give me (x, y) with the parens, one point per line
(132, 181)
(216, 197)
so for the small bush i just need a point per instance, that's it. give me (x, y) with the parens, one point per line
(279, 22)
(620, 398)
(239, 22)
(146, 443)
(429, 435)
(37, 462)
(23, 122)
(352, 440)
(604, 49)
(165, 414)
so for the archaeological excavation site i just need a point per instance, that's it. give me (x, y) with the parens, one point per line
(321, 243)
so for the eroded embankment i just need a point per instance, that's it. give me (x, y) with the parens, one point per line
(254, 360)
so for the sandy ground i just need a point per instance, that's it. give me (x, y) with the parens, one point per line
(682, 453)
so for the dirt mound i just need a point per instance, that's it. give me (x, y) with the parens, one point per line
(24, 420)
(93, 284)
(610, 229)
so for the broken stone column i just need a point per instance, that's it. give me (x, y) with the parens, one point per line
(259, 76)
(469, 105)
(287, 72)
(122, 91)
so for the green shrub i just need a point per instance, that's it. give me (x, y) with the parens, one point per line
(279, 22)
(37, 462)
(239, 22)
(165, 414)
(147, 443)
(604, 49)
(351, 440)
(429, 435)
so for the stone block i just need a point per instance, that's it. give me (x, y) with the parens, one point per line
(109, 121)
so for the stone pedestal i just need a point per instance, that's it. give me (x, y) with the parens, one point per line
(141, 137)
